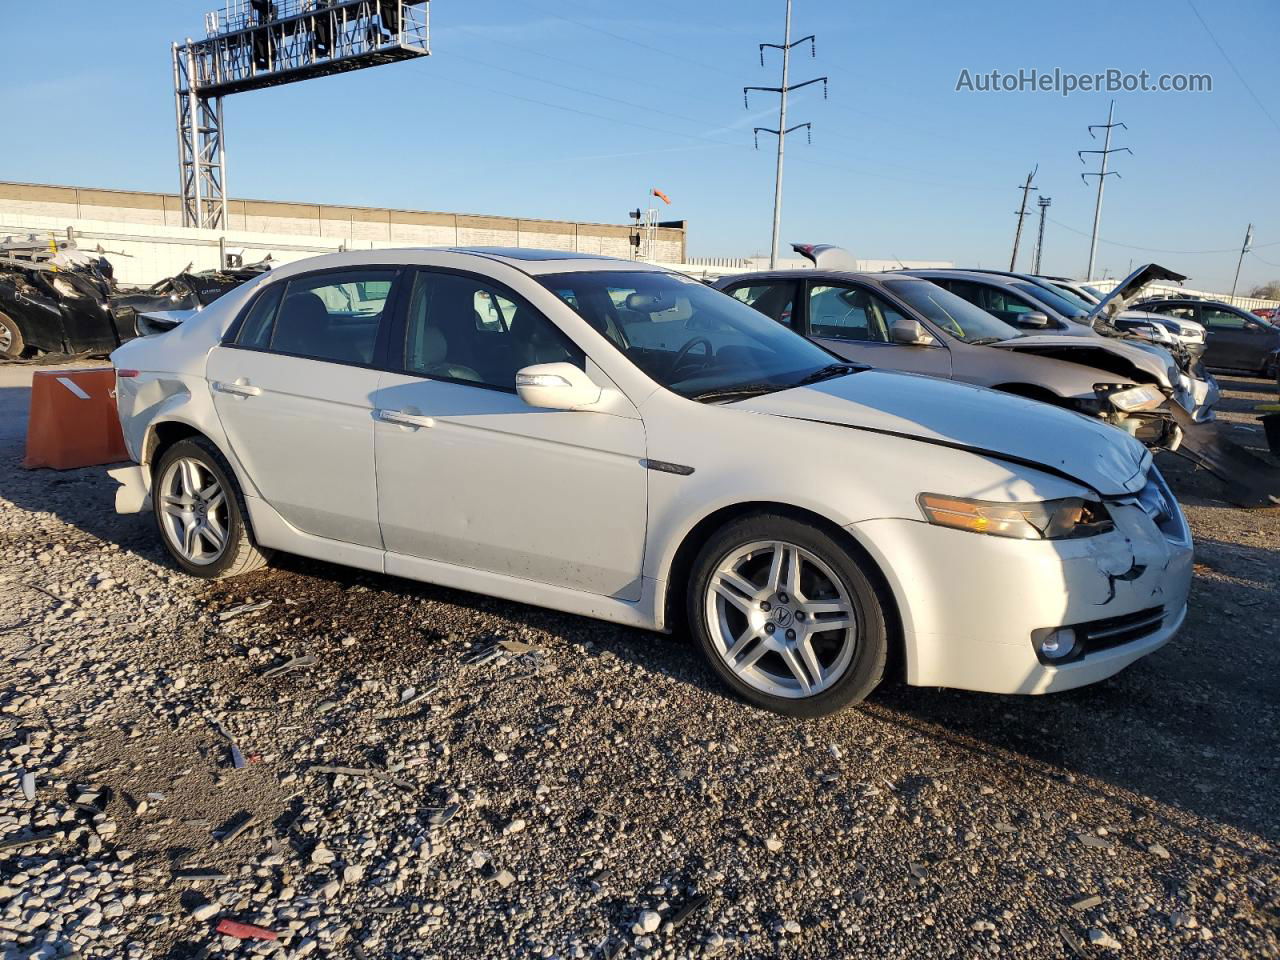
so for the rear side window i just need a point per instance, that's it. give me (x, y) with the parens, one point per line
(332, 316)
(774, 300)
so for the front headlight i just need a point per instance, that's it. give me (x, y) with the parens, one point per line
(1136, 398)
(1045, 520)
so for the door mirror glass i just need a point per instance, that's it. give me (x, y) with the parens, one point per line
(556, 386)
(906, 331)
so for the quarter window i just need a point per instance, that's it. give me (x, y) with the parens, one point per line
(256, 330)
(465, 329)
(333, 316)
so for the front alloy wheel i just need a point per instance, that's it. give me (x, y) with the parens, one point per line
(780, 619)
(787, 616)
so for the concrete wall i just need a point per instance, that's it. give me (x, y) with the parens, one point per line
(145, 240)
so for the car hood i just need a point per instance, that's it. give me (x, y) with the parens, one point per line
(965, 417)
(1151, 360)
(1128, 289)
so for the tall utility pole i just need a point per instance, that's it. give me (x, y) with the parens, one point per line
(1102, 175)
(1026, 188)
(1248, 242)
(783, 130)
(1044, 209)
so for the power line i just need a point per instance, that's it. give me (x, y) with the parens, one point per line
(1135, 246)
(641, 45)
(1232, 65)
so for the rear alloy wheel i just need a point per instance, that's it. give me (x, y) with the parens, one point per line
(786, 616)
(200, 512)
(11, 342)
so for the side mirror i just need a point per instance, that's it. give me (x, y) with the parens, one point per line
(556, 386)
(909, 332)
(1035, 320)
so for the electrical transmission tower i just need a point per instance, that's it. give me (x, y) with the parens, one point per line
(252, 44)
(1044, 209)
(783, 130)
(1026, 188)
(1102, 175)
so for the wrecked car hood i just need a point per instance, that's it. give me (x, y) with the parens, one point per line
(168, 318)
(970, 418)
(1129, 289)
(1151, 360)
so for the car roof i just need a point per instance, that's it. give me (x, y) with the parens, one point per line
(999, 278)
(528, 260)
(810, 272)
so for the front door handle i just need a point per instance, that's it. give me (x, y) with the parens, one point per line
(404, 419)
(241, 388)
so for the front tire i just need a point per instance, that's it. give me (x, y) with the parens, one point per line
(787, 616)
(200, 511)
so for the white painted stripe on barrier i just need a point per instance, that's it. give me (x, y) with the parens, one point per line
(73, 387)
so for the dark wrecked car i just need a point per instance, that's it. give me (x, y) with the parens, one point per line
(46, 308)
(168, 302)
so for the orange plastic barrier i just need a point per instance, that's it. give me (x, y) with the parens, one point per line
(73, 421)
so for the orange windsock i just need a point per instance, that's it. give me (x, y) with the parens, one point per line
(662, 196)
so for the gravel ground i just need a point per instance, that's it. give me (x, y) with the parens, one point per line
(526, 783)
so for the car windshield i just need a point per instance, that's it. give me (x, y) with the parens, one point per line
(1075, 307)
(693, 340)
(955, 315)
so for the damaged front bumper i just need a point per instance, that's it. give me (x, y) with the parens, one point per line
(1123, 594)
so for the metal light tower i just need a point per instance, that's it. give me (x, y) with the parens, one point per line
(1102, 175)
(1026, 188)
(783, 130)
(1044, 209)
(253, 44)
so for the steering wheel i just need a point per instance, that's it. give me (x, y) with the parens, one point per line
(683, 354)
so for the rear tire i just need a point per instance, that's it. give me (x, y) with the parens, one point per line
(12, 344)
(201, 514)
(787, 616)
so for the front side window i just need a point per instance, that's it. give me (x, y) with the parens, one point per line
(842, 312)
(691, 339)
(957, 316)
(469, 330)
(1222, 319)
(332, 316)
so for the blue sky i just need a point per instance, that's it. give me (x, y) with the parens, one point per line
(573, 109)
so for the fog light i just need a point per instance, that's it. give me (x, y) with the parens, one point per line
(1059, 644)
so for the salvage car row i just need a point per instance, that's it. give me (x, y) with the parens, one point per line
(616, 440)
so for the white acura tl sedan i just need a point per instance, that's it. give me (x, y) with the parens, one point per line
(607, 438)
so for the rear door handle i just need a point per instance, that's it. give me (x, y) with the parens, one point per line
(238, 389)
(404, 419)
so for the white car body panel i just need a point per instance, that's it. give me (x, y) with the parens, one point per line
(557, 508)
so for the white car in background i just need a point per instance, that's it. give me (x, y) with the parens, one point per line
(614, 440)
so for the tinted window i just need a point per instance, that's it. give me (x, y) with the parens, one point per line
(1060, 303)
(256, 330)
(466, 329)
(333, 316)
(1181, 311)
(774, 300)
(688, 337)
(1222, 319)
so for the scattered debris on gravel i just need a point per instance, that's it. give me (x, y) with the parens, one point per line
(311, 761)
